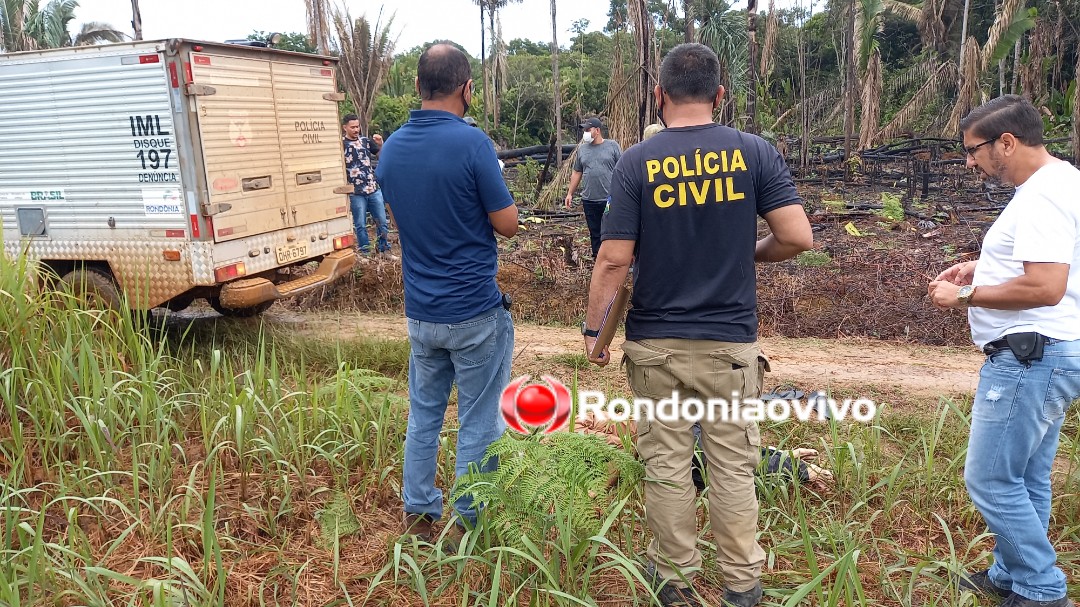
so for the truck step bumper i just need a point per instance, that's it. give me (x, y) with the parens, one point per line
(254, 291)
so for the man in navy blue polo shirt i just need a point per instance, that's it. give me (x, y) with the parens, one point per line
(446, 192)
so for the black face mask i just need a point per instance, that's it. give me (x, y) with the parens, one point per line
(660, 109)
(463, 101)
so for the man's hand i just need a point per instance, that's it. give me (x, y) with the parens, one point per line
(959, 274)
(943, 294)
(605, 356)
(377, 138)
(569, 199)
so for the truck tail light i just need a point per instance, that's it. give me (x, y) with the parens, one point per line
(235, 270)
(344, 242)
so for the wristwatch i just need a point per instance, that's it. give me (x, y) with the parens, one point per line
(964, 294)
(588, 332)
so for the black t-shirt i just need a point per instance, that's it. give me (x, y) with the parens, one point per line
(690, 197)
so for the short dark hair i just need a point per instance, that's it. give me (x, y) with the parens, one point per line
(442, 69)
(690, 72)
(347, 118)
(1006, 114)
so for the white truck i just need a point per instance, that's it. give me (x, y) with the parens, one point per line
(165, 171)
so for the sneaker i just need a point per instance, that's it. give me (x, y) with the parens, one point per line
(747, 598)
(668, 594)
(979, 583)
(419, 526)
(1015, 600)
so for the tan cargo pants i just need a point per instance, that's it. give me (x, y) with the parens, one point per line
(700, 369)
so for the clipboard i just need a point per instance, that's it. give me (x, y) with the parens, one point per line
(612, 317)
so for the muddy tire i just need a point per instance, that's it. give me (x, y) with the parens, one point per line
(94, 289)
(250, 312)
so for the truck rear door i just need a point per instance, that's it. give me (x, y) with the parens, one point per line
(310, 135)
(239, 135)
(270, 142)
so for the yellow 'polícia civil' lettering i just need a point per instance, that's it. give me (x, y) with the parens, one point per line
(652, 167)
(673, 171)
(737, 162)
(658, 193)
(700, 196)
(732, 195)
(709, 163)
(666, 195)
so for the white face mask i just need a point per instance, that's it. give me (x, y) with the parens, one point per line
(586, 137)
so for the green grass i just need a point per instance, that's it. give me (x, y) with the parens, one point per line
(229, 463)
(813, 259)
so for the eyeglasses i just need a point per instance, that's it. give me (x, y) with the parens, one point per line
(975, 148)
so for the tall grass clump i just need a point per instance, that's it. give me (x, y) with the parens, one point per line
(207, 462)
(139, 467)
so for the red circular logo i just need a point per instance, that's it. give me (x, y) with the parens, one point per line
(535, 405)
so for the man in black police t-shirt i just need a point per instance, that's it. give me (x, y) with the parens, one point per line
(686, 204)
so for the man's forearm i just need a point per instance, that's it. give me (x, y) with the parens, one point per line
(770, 249)
(606, 279)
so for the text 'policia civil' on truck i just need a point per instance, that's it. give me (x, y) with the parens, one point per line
(170, 170)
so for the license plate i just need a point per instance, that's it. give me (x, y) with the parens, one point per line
(291, 252)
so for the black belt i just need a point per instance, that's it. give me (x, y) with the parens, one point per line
(995, 346)
(1026, 346)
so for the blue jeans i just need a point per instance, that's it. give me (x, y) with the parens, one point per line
(474, 354)
(1015, 424)
(369, 203)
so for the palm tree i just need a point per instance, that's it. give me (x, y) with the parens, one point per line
(498, 68)
(318, 29)
(555, 74)
(96, 32)
(483, 56)
(366, 57)
(26, 25)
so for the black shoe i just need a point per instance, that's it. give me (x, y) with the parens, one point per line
(668, 594)
(1015, 600)
(979, 583)
(747, 598)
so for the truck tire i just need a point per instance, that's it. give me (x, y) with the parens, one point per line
(94, 288)
(250, 312)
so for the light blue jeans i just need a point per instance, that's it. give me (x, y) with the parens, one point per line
(1015, 424)
(474, 354)
(369, 203)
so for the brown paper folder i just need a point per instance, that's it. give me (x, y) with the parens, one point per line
(612, 317)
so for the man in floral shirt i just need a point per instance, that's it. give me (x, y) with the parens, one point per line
(366, 196)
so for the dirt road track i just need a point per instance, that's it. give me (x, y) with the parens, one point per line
(809, 364)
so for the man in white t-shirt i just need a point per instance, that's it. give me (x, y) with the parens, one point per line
(1023, 302)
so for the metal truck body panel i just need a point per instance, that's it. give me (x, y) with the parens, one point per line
(178, 166)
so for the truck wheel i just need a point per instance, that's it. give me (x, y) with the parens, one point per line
(250, 312)
(94, 288)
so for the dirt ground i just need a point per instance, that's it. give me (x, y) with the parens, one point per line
(852, 313)
(918, 371)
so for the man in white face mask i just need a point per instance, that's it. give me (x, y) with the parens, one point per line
(595, 161)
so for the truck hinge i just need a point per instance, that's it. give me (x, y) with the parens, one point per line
(200, 90)
(209, 210)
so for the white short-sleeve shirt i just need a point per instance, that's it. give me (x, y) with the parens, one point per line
(1040, 224)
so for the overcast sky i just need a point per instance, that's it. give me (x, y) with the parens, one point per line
(416, 21)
